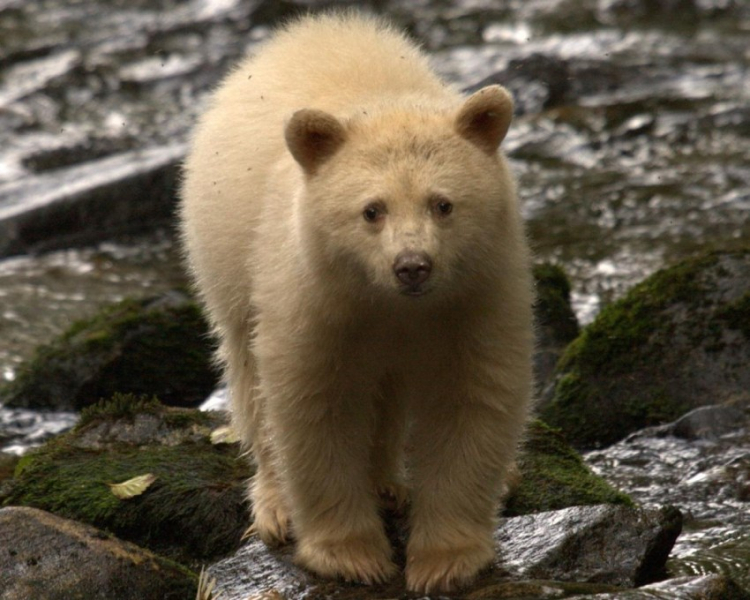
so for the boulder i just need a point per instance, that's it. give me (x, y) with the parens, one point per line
(153, 346)
(46, 557)
(194, 510)
(616, 545)
(553, 476)
(132, 191)
(677, 341)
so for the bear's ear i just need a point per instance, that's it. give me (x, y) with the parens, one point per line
(313, 136)
(485, 117)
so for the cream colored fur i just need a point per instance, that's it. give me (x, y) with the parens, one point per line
(334, 370)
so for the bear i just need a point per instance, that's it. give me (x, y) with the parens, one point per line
(353, 230)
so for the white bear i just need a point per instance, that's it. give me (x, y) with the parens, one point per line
(355, 235)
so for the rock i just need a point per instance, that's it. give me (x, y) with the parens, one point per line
(706, 587)
(93, 125)
(45, 557)
(556, 323)
(154, 346)
(708, 422)
(616, 545)
(604, 545)
(537, 82)
(553, 476)
(708, 479)
(197, 507)
(703, 423)
(103, 198)
(540, 82)
(194, 510)
(631, 12)
(677, 341)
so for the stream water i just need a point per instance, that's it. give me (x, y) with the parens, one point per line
(632, 150)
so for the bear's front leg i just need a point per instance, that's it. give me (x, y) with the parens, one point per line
(462, 451)
(323, 443)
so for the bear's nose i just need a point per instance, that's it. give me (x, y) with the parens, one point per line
(412, 268)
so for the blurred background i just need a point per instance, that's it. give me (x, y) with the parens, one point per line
(631, 145)
(631, 142)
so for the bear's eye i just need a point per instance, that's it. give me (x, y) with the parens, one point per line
(373, 212)
(442, 206)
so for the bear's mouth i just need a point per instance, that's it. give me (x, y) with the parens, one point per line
(414, 290)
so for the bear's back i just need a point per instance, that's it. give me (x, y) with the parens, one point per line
(334, 61)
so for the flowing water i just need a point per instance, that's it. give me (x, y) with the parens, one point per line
(632, 149)
(708, 480)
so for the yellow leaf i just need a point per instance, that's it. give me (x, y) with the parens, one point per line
(224, 435)
(132, 487)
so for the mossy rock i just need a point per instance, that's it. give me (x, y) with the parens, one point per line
(196, 509)
(193, 511)
(678, 340)
(156, 346)
(8, 464)
(553, 476)
(556, 323)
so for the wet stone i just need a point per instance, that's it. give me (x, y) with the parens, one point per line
(38, 548)
(603, 545)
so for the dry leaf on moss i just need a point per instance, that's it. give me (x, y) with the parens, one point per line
(132, 487)
(224, 435)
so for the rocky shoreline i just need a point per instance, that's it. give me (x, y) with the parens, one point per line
(565, 532)
(629, 159)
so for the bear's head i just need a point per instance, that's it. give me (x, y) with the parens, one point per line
(414, 200)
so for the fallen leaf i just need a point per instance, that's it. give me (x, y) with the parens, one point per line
(132, 487)
(224, 435)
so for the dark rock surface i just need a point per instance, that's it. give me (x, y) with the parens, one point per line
(677, 341)
(707, 478)
(596, 544)
(45, 557)
(158, 346)
(605, 545)
(107, 197)
(708, 422)
(95, 105)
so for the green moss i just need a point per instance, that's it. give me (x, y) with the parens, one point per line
(118, 407)
(736, 315)
(553, 302)
(553, 476)
(8, 465)
(149, 347)
(614, 378)
(128, 406)
(553, 276)
(195, 509)
(618, 340)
